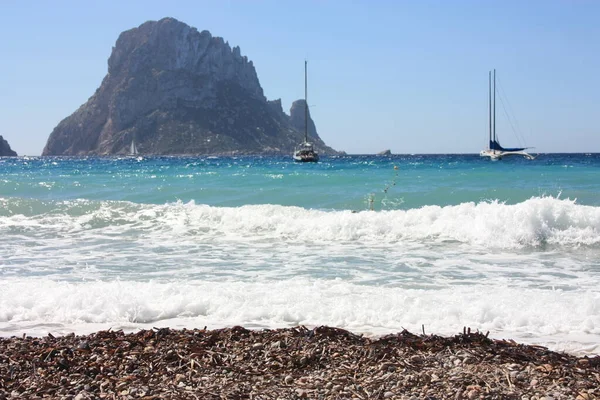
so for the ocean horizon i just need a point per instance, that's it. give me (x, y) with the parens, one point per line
(371, 244)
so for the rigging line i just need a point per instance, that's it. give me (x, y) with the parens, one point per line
(510, 109)
(503, 102)
(518, 131)
(510, 121)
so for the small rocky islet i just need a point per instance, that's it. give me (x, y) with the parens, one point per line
(291, 363)
(5, 150)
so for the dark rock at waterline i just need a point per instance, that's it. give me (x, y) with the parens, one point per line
(5, 150)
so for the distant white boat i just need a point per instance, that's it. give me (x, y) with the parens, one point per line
(133, 151)
(305, 151)
(494, 151)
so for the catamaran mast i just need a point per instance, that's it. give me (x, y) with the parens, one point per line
(305, 103)
(495, 105)
(490, 105)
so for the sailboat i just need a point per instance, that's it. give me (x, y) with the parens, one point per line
(495, 151)
(133, 151)
(305, 151)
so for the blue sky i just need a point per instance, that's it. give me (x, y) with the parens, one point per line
(399, 75)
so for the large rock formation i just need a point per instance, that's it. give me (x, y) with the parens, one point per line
(5, 150)
(174, 90)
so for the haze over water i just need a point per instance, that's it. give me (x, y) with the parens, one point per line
(443, 241)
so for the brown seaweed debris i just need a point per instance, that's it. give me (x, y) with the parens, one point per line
(294, 363)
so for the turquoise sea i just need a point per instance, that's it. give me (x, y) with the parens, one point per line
(372, 244)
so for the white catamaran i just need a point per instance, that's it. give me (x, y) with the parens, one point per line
(495, 151)
(305, 151)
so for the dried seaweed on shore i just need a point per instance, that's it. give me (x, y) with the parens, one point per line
(294, 363)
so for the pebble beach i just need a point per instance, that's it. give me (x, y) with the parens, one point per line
(292, 363)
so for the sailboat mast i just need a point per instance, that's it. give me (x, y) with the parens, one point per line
(490, 104)
(494, 104)
(305, 102)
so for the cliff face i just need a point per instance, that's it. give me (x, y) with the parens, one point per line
(174, 90)
(297, 119)
(5, 150)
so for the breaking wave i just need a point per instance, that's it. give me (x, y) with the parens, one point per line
(539, 221)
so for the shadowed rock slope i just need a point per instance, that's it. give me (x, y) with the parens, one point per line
(174, 90)
(5, 150)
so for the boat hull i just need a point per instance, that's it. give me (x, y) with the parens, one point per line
(305, 152)
(495, 155)
(306, 158)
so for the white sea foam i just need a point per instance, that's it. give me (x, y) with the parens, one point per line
(527, 271)
(539, 221)
(548, 317)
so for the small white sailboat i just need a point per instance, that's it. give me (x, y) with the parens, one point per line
(305, 151)
(133, 151)
(494, 151)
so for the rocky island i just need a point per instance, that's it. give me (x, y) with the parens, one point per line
(173, 90)
(5, 150)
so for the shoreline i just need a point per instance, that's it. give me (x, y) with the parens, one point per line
(324, 362)
(577, 346)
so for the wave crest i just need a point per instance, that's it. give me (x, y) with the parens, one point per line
(539, 221)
